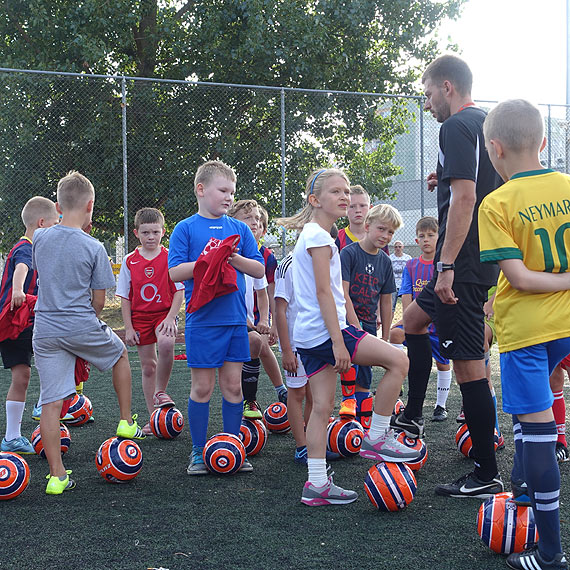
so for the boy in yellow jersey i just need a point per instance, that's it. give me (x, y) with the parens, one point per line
(523, 227)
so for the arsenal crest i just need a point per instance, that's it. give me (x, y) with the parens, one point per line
(149, 271)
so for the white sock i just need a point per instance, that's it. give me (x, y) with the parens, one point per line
(379, 426)
(443, 384)
(14, 413)
(317, 471)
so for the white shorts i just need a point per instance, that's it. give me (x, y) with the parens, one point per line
(55, 359)
(297, 379)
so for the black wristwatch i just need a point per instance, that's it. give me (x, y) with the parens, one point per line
(440, 266)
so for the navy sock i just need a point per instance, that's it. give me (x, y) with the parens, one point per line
(517, 473)
(543, 479)
(419, 353)
(198, 415)
(231, 415)
(249, 379)
(480, 419)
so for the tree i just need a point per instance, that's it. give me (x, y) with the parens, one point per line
(52, 124)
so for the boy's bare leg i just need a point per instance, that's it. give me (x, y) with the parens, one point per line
(147, 355)
(122, 384)
(295, 415)
(20, 381)
(229, 377)
(165, 361)
(270, 363)
(51, 439)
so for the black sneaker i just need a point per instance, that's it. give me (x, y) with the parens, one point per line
(532, 559)
(439, 414)
(562, 454)
(520, 494)
(412, 428)
(471, 486)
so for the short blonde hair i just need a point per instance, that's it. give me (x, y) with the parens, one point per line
(264, 217)
(358, 189)
(36, 208)
(517, 124)
(74, 191)
(384, 213)
(212, 168)
(245, 206)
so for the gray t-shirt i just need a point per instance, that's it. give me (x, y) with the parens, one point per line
(369, 276)
(69, 263)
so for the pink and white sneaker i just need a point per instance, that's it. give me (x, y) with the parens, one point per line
(387, 448)
(329, 494)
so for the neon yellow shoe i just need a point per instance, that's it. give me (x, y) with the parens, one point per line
(56, 486)
(130, 431)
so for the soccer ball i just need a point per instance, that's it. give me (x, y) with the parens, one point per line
(118, 460)
(253, 435)
(417, 445)
(275, 418)
(390, 486)
(81, 410)
(505, 527)
(344, 437)
(166, 423)
(38, 446)
(464, 443)
(398, 407)
(224, 453)
(14, 475)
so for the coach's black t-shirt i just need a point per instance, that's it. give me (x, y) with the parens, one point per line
(462, 155)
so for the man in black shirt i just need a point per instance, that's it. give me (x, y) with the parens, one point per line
(454, 298)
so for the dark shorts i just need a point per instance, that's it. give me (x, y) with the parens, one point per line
(319, 357)
(17, 351)
(460, 327)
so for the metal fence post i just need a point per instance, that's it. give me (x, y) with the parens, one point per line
(549, 139)
(283, 212)
(124, 138)
(421, 111)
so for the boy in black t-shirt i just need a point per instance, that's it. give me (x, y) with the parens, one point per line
(368, 282)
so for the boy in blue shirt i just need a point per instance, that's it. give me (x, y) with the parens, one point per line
(216, 333)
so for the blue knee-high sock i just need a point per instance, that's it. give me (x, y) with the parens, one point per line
(198, 415)
(543, 479)
(232, 414)
(517, 473)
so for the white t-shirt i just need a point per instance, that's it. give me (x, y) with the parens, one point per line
(251, 285)
(398, 265)
(309, 328)
(284, 290)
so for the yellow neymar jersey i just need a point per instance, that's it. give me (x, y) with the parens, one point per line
(528, 218)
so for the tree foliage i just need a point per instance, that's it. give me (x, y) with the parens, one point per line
(49, 125)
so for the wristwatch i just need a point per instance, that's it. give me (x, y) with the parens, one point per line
(440, 266)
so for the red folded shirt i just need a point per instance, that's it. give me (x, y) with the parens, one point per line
(213, 275)
(12, 323)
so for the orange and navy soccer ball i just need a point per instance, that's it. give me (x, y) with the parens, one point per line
(275, 418)
(390, 486)
(345, 437)
(166, 423)
(417, 445)
(81, 410)
(398, 407)
(119, 460)
(464, 443)
(505, 527)
(38, 446)
(224, 454)
(14, 475)
(253, 435)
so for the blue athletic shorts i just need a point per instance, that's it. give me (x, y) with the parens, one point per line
(434, 339)
(210, 347)
(317, 358)
(525, 376)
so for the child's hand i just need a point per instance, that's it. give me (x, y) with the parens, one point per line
(18, 298)
(342, 361)
(273, 334)
(262, 327)
(167, 327)
(432, 181)
(289, 361)
(234, 252)
(488, 309)
(132, 337)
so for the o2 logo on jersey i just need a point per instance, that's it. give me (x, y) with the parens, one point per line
(149, 272)
(213, 243)
(149, 293)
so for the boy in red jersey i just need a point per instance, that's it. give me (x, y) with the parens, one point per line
(150, 302)
(18, 280)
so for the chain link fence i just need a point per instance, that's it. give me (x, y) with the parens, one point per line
(140, 142)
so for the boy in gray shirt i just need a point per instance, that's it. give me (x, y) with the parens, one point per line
(75, 271)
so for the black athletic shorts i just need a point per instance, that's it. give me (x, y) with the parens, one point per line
(19, 350)
(460, 327)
